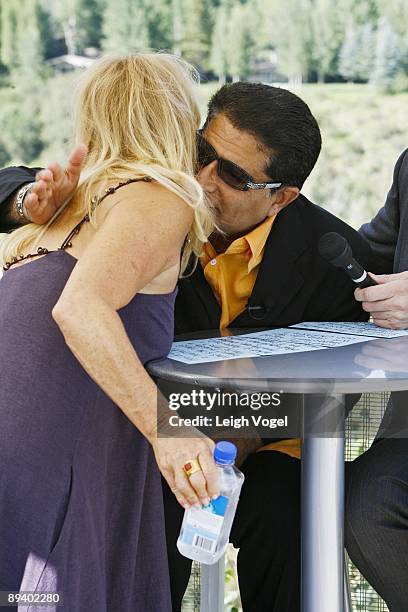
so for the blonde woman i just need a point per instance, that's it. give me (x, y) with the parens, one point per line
(85, 303)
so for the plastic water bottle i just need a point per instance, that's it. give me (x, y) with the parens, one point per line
(205, 531)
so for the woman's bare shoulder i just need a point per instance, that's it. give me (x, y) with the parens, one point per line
(147, 194)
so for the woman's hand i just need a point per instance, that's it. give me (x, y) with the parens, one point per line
(171, 455)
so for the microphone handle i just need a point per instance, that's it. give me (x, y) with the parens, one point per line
(364, 281)
(358, 275)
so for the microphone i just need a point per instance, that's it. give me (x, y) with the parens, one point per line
(335, 249)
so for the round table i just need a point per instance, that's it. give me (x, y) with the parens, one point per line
(374, 366)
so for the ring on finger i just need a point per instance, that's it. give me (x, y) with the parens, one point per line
(191, 467)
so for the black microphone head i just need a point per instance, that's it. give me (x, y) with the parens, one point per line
(335, 249)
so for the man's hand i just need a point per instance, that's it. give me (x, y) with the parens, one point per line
(53, 186)
(387, 302)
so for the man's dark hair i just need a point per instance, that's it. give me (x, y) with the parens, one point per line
(279, 120)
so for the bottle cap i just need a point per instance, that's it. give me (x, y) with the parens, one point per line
(225, 453)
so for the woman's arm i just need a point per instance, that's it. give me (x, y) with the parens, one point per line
(140, 237)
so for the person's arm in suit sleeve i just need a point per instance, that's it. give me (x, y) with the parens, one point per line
(388, 302)
(382, 231)
(11, 180)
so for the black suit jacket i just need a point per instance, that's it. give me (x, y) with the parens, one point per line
(387, 232)
(294, 283)
(10, 180)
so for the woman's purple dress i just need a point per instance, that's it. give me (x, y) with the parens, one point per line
(81, 508)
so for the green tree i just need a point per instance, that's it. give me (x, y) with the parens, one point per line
(30, 49)
(89, 23)
(220, 40)
(79, 21)
(22, 39)
(66, 17)
(19, 116)
(262, 17)
(356, 57)
(396, 12)
(387, 56)
(291, 37)
(8, 33)
(4, 155)
(159, 14)
(327, 37)
(177, 25)
(196, 32)
(348, 52)
(366, 52)
(125, 26)
(240, 43)
(361, 11)
(57, 135)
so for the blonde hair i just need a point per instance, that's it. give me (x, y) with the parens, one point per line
(138, 116)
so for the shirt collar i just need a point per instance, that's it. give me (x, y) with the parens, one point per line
(253, 243)
(257, 238)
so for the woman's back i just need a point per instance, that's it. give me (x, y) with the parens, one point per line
(72, 232)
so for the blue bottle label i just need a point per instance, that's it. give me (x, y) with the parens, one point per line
(217, 506)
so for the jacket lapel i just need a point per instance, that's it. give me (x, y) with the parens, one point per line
(279, 277)
(205, 297)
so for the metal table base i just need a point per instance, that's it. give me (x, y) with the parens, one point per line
(322, 506)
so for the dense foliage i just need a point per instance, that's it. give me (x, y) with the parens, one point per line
(364, 41)
(353, 40)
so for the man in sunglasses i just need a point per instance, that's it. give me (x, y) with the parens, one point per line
(261, 268)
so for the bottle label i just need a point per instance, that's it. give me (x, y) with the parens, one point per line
(203, 525)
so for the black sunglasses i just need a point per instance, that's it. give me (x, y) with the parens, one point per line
(230, 173)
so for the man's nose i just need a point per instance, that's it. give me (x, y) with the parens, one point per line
(207, 177)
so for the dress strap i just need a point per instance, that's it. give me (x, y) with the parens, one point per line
(68, 240)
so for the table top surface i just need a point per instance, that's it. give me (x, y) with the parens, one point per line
(373, 366)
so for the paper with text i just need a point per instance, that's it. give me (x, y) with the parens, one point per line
(363, 328)
(258, 344)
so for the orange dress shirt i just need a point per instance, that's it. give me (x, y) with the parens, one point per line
(232, 276)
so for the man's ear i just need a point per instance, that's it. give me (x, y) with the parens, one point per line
(282, 198)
